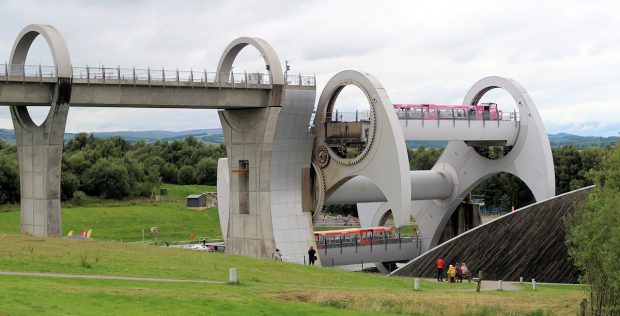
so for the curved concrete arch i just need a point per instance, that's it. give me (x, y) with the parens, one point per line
(530, 160)
(384, 161)
(39, 148)
(62, 62)
(58, 48)
(272, 61)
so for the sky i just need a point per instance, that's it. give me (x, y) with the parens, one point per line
(565, 53)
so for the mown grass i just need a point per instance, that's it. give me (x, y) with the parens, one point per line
(266, 287)
(127, 219)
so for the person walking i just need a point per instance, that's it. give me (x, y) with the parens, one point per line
(465, 271)
(452, 273)
(278, 255)
(440, 265)
(459, 273)
(311, 255)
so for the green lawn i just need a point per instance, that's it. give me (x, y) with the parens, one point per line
(125, 220)
(266, 287)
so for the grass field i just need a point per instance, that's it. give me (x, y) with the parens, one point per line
(125, 220)
(266, 287)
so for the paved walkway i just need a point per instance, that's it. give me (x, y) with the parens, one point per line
(104, 277)
(489, 285)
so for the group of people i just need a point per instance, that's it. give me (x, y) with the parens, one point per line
(455, 271)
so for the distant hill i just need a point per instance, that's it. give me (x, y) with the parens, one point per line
(7, 135)
(215, 135)
(557, 140)
(212, 135)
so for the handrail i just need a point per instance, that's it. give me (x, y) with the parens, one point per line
(148, 75)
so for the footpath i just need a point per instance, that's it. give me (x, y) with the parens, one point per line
(103, 277)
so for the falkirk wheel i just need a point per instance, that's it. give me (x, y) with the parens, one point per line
(270, 192)
(282, 164)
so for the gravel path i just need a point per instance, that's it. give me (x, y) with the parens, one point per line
(104, 277)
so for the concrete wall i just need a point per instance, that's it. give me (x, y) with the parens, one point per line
(264, 206)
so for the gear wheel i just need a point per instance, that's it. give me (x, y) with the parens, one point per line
(371, 136)
(322, 156)
(320, 181)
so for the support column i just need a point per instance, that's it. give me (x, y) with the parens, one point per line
(39, 148)
(39, 151)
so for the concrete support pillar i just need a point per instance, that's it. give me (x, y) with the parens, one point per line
(39, 148)
(39, 151)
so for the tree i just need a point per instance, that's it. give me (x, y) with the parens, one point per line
(108, 179)
(69, 183)
(593, 238)
(206, 171)
(9, 178)
(170, 173)
(186, 175)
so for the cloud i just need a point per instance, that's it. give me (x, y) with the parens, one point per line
(566, 53)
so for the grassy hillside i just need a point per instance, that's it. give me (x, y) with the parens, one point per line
(266, 287)
(125, 220)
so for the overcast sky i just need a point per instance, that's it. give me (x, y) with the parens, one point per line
(565, 53)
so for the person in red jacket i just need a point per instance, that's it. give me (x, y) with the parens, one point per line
(440, 265)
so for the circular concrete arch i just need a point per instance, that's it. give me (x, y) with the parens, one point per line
(272, 61)
(383, 160)
(530, 160)
(62, 62)
(532, 140)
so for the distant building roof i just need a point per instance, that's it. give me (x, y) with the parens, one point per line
(194, 196)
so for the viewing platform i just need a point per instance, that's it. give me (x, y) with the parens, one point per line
(482, 124)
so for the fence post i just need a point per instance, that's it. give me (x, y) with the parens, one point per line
(232, 276)
(499, 285)
(416, 284)
(583, 307)
(534, 284)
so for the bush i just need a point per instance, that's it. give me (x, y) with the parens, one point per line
(79, 198)
(69, 183)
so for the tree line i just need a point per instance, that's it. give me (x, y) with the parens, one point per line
(114, 168)
(593, 237)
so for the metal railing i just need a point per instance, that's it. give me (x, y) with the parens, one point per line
(102, 74)
(455, 115)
